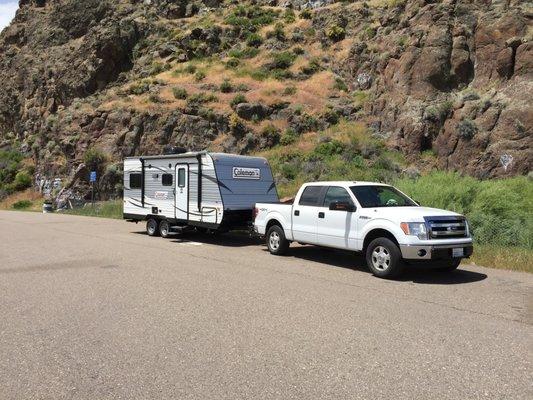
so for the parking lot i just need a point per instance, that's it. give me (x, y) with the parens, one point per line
(95, 309)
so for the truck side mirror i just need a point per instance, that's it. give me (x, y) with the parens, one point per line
(341, 206)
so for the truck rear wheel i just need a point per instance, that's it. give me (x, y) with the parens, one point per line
(152, 227)
(384, 258)
(276, 242)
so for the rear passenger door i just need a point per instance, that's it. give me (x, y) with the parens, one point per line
(305, 215)
(337, 228)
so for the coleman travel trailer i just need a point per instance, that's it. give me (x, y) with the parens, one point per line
(205, 190)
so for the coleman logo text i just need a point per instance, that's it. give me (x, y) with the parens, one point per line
(246, 173)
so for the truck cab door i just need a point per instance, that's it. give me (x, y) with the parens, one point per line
(337, 222)
(305, 215)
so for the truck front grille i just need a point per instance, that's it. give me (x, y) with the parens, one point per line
(446, 227)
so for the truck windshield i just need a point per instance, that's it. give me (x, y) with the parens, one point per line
(380, 196)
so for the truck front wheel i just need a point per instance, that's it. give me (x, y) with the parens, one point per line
(384, 258)
(276, 242)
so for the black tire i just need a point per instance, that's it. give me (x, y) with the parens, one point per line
(384, 258)
(453, 265)
(164, 229)
(152, 227)
(276, 242)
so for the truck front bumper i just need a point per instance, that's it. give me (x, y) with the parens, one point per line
(437, 251)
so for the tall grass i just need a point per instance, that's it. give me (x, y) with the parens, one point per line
(104, 209)
(500, 211)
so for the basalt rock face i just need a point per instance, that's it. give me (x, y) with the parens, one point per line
(453, 77)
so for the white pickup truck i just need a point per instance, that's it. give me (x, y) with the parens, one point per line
(388, 227)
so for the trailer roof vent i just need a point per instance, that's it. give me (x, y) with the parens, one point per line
(174, 150)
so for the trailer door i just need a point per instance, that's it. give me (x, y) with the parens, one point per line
(182, 192)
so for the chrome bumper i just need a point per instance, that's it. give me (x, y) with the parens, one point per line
(434, 251)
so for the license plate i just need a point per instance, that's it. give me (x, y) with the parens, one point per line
(458, 252)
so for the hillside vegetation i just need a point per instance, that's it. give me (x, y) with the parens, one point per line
(386, 90)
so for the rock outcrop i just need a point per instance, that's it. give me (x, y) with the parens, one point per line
(451, 77)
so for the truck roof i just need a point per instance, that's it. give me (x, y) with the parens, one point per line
(345, 183)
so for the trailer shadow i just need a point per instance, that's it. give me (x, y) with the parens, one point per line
(415, 274)
(220, 239)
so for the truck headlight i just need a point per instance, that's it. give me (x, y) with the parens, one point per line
(417, 229)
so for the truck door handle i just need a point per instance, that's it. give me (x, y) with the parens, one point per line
(296, 212)
(321, 215)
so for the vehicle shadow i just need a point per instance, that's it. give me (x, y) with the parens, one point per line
(413, 273)
(233, 239)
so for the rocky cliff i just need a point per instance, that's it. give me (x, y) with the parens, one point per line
(447, 83)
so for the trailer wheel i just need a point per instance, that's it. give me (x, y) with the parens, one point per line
(164, 229)
(276, 242)
(152, 227)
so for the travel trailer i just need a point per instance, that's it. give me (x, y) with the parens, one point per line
(204, 190)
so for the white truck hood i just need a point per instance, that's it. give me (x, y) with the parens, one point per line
(406, 214)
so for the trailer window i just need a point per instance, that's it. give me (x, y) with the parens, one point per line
(167, 180)
(310, 196)
(181, 177)
(135, 181)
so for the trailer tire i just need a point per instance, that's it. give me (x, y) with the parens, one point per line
(276, 242)
(152, 227)
(384, 258)
(164, 229)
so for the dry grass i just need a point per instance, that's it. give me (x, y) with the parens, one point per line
(31, 195)
(510, 258)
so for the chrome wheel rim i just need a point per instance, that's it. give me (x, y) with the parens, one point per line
(274, 240)
(381, 258)
(151, 227)
(164, 229)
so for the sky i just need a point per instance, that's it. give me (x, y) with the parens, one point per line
(7, 12)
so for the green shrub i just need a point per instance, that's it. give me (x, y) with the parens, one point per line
(154, 98)
(199, 76)
(22, 205)
(283, 60)
(289, 91)
(277, 33)
(289, 16)
(328, 149)
(254, 40)
(179, 93)
(340, 84)
(289, 136)
(22, 180)
(201, 98)
(313, 67)
(95, 160)
(335, 33)
(306, 14)
(233, 63)
(466, 129)
(238, 99)
(247, 52)
(226, 86)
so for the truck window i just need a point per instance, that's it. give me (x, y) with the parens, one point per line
(135, 181)
(337, 194)
(310, 196)
(381, 196)
(167, 180)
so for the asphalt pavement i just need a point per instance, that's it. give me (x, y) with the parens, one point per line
(95, 309)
